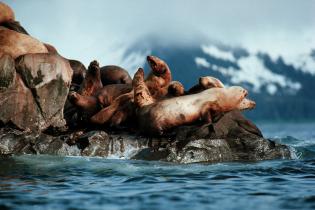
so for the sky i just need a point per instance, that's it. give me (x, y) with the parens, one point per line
(103, 29)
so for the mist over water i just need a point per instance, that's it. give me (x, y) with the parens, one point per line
(47, 182)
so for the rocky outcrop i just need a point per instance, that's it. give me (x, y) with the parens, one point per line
(16, 44)
(33, 98)
(192, 144)
(6, 13)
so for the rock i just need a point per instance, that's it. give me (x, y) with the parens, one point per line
(6, 13)
(239, 140)
(34, 100)
(19, 107)
(14, 26)
(99, 143)
(16, 44)
(18, 143)
(51, 49)
(7, 71)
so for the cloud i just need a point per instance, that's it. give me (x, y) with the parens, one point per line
(100, 29)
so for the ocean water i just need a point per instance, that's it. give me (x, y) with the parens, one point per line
(47, 182)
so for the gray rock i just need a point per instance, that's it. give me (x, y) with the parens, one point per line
(231, 138)
(24, 94)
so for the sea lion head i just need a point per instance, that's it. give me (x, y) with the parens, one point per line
(210, 82)
(157, 65)
(237, 95)
(246, 104)
(176, 88)
(94, 67)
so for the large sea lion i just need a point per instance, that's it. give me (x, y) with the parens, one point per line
(17, 44)
(157, 117)
(112, 74)
(6, 13)
(92, 81)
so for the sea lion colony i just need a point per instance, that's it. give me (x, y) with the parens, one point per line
(108, 96)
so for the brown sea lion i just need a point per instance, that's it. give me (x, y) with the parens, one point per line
(159, 78)
(92, 81)
(119, 110)
(102, 98)
(175, 88)
(79, 72)
(16, 44)
(206, 83)
(157, 117)
(6, 13)
(112, 74)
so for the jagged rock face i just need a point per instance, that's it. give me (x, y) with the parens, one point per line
(7, 71)
(35, 98)
(16, 44)
(194, 144)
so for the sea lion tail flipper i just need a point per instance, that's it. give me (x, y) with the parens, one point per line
(142, 95)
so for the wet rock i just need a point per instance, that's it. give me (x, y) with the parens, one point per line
(18, 142)
(99, 143)
(35, 98)
(202, 150)
(239, 140)
(17, 44)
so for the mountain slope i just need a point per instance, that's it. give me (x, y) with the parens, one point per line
(282, 91)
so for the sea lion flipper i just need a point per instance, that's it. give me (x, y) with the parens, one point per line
(142, 96)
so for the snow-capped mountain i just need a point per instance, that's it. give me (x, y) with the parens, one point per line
(283, 89)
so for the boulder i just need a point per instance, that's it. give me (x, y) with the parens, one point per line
(6, 13)
(16, 44)
(33, 98)
(14, 26)
(7, 71)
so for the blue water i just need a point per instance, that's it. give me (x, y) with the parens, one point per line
(46, 182)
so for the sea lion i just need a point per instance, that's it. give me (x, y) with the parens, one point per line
(157, 117)
(206, 83)
(119, 110)
(17, 44)
(159, 78)
(175, 88)
(112, 74)
(92, 81)
(79, 72)
(6, 13)
(102, 98)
